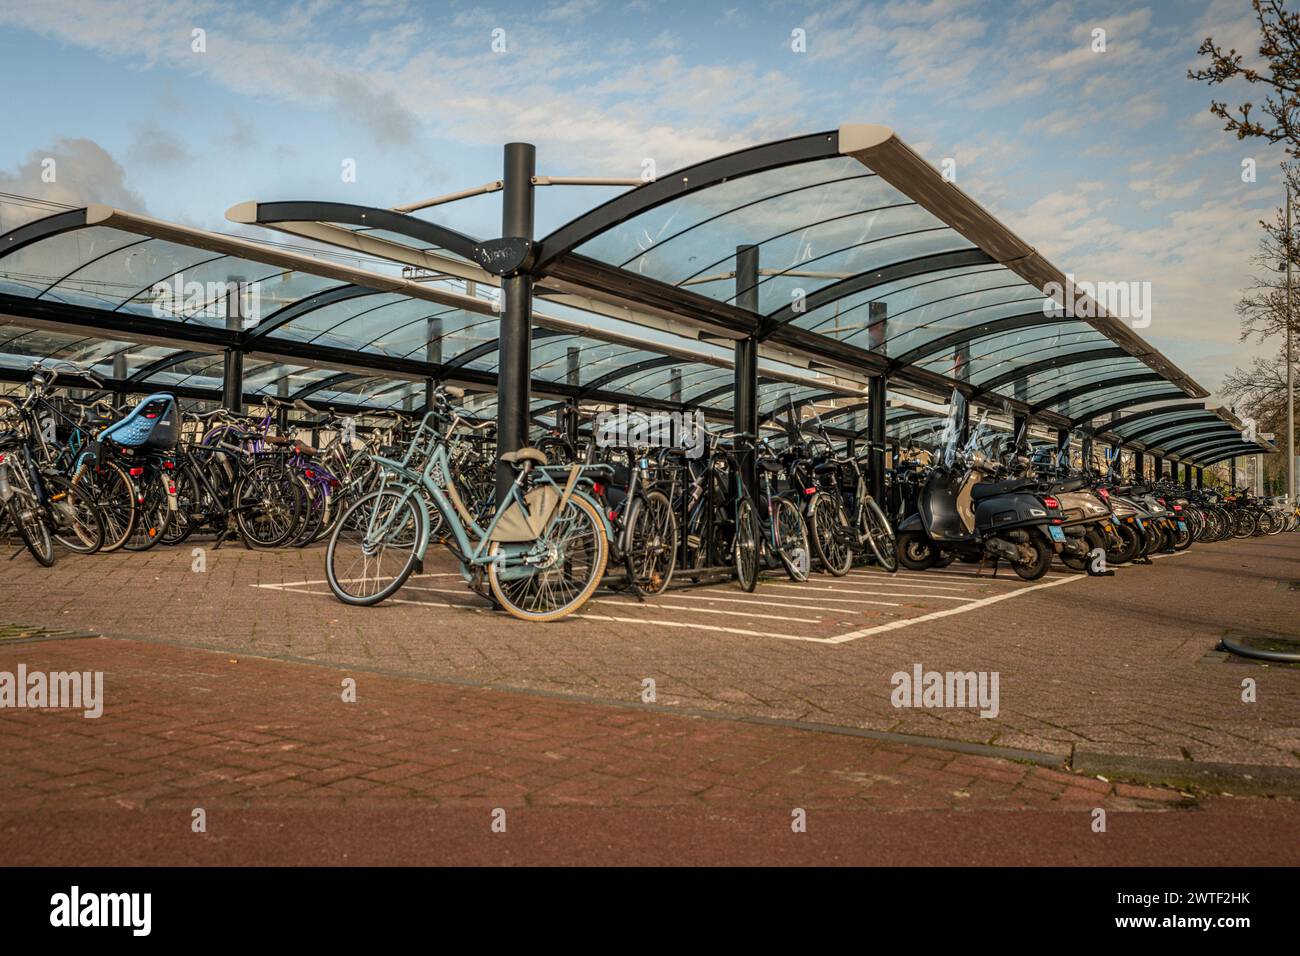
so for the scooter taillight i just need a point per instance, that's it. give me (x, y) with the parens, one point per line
(1051, 502)
(1103, 494)
(1178, 507)
(136, 472)
(810, 491)
(598, 487)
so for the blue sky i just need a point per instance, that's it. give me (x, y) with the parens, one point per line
(1108, 163)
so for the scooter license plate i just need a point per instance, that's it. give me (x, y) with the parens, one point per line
(1182, 526)
(1057, 533)
(1114, 520)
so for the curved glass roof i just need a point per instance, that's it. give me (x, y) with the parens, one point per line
(118, 292)
(841, 252)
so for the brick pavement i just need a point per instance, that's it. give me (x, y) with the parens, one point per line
(1098, 667)
(288, 772)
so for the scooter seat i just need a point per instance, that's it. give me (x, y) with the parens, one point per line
(989, 489)
(1070, 484)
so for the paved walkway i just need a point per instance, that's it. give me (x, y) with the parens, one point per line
(413, 771)
(1089, 669)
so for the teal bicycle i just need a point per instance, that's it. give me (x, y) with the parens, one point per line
(540, 558)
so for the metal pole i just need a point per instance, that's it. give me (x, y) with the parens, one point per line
(232, 373)
(1139, 466)
(1290, 365)
(745, 410)
(876, 400)
(1232, 472)
(516, 315)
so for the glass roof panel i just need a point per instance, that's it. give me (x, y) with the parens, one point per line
(1152, 421)
(814, 223)
(126, 272)
(1042, 385)
(35, 267)
(902, 296)
(1079, 406)
(1210, 426)
(627, 244)
(389, 323)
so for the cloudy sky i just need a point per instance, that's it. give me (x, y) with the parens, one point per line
(1107, 162)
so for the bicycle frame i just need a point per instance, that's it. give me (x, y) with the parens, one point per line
(510, 557)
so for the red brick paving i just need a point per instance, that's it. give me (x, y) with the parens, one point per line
(1101, 666)
(288, 773)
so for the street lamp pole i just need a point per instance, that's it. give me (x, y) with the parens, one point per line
(1290, 371)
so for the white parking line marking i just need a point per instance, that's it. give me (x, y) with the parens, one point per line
(797, 607)
(823, 591)
(705, 610)
(294, 584)
(706, 627)
(885, 580)
(936, 615)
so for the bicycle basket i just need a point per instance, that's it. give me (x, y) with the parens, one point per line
(516, 525)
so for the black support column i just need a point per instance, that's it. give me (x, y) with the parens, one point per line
(1200, 477)
(1063, 445)
(1139, 466)
(1157, 467)
(513, 396)
(745, 409)
(1232, 472)
(877, 398)
(232, 374)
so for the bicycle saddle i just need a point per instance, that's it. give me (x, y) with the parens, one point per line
(525, 454)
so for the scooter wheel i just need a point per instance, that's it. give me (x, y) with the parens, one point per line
(915, 552)
(1036, 568)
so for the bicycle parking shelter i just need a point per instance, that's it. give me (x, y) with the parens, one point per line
(832, 270)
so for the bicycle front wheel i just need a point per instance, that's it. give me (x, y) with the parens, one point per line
(574, 565)
(374, 547)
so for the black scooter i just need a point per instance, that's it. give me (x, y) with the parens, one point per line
(959, 512)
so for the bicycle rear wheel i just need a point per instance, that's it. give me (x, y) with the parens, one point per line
(790, 536)
(153, 514)
(745, 553)
(577, 565)
(652, 549)
(828, 529)
(113, 491)
(373, 549)
(268, 505)
(77, 523)
(880, 537)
